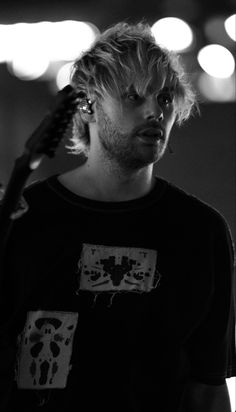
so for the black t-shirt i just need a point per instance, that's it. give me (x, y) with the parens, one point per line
(115, 305)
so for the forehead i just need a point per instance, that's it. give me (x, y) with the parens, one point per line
(148, 83)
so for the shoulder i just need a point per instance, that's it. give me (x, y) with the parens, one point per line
(39, 201)
(186, 206)
(36, 187)
(40, 193)
(195, 216)
(206, 397)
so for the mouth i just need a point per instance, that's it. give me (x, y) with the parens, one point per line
(156, 133)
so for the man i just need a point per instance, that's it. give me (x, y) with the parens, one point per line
(119, 285)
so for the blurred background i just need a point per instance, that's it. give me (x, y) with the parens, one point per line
(40, 40)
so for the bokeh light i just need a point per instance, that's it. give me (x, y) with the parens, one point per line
(216, 60)
(63, 75)
(28, 66)
(230, 26)
(173, 33)
(29, 48)
(68, 39)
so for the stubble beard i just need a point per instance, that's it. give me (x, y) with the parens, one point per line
(121, 149)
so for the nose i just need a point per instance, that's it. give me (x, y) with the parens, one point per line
(153, 110)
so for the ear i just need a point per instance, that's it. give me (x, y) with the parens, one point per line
(86, 109)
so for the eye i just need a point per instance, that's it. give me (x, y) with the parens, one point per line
(165, 98)
(134, 97)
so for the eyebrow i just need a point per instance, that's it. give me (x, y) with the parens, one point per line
(132, 88)
(129, 88)
(167, 89)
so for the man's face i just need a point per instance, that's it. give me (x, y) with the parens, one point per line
(134, 128)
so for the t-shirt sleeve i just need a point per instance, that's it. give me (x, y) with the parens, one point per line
(211, 348)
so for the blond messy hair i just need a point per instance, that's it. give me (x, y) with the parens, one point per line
(123, 55)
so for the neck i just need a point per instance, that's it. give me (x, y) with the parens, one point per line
(105, 182)
(117, 184)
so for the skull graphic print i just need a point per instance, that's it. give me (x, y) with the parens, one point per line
(45, 350)
(117, 269)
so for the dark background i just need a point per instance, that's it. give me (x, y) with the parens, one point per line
(203, 162)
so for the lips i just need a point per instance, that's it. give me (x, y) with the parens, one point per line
(152, 132)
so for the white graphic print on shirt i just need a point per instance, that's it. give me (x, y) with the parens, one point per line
(45, 349)
(114, 269)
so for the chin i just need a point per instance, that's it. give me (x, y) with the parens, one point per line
(155, 156)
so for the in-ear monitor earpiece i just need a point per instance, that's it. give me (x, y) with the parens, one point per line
(84, 103)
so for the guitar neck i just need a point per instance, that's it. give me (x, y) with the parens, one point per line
(43, 141)
(20, 173)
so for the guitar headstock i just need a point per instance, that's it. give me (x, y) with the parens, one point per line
(46, 138)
